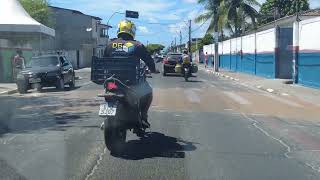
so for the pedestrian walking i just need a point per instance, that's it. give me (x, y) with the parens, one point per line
(18, 64)
(206, 59)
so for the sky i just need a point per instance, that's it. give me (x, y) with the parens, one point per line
(160, 21)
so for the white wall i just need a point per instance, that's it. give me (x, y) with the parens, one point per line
(309, 34)
(226, 47)
(220, 47)
(248, 43)
(239, 44)
(266, 41)
(211, 49)
(233, 46)
(206, 49)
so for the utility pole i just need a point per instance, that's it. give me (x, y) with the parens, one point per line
(296, 45)
(175, 44)
(216, 36)
(189, 46)
(180, 41)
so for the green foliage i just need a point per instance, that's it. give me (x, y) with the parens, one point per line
(39, 10)
(232, 14)
(155, 48)
(207, 39)
(284, 8)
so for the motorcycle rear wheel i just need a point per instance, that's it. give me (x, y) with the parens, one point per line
(186, 76)
(114, 136)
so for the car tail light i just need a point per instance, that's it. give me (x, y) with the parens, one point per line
(111, 86)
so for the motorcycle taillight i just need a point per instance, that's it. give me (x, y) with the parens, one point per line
(111, 86)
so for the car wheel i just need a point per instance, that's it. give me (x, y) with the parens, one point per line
(22, 87)
(164, 73)
(72, 84)
(60, 84)
(39, 87)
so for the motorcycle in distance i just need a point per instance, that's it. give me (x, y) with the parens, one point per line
(121, 113)
(185, 68)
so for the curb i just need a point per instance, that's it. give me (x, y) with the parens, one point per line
(13, 91)
(269, 90)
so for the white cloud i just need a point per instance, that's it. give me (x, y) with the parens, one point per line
(143, 29)
(146, 8)
(190, 1)
(153, 20)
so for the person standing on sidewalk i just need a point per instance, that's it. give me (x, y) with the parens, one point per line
(206, 59)
(18, 64)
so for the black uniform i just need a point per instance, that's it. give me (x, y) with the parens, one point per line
(125, 48)
(130, 48)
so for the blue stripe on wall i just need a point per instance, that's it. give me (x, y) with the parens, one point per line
(309, 69)
(248, 63)
(233, 62)
(239, 67)
(265, 65)
(225, 61)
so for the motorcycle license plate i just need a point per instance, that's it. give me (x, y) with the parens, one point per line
(107, 110)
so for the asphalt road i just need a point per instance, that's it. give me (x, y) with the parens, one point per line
(204, 129)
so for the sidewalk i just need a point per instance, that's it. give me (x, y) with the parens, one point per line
(276, 86)
(8, 88)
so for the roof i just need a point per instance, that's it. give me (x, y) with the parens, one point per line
(288, 21)
(105, 25)
(312, 12)
(76, 12)
(15, 19)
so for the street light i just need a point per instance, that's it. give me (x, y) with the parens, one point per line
(110, 19)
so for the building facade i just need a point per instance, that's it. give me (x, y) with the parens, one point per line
(78, 35)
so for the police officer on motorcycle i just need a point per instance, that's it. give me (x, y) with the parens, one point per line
(125, 46)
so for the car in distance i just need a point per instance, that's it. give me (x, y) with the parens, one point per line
(45, 71)
(169, 63)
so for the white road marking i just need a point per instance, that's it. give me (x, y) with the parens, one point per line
(212, 85)
(95, 167)
(270, 90)
(192, 96)
(237, 98)
(284, 101)
(255, 124)
(284, 94)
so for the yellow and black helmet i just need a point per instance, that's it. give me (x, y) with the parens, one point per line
(127, 27)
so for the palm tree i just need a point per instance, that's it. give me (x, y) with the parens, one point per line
(232, 14)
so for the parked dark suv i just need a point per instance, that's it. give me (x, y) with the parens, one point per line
(46, 71)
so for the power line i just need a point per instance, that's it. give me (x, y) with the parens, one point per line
(200, 26)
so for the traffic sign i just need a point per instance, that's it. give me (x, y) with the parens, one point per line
(132, 14)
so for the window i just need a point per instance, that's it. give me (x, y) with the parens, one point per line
(102, 32)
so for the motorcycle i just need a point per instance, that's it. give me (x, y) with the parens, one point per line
(121, 112)
(186, 71)
(185, 68)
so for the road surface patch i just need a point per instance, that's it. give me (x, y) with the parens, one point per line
(237, 98)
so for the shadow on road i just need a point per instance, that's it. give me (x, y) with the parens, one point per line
(48, 90)
(156, 145)
(25, 114)
(195, 81)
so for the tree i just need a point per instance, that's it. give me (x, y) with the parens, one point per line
(232, 14)
(272, 9)
(207, 39)
(155, 48)
(38, 10)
